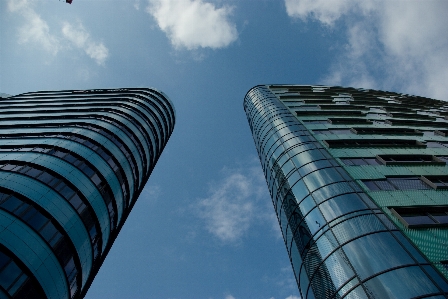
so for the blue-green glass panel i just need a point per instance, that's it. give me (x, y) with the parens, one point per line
(404, 283)
(367, 254)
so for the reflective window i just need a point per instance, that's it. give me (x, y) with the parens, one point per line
(404, 283)
(367, 254)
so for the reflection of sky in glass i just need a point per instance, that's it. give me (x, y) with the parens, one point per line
(374, 253)
(402, 283)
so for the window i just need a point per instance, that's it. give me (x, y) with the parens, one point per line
(410, 116)
(422, 216)
(397, 183)
(315, 121)
(441, 132)
(333, 131)
(410, 160)
(438, 182)
(318, 101)
(411, 122)
(386, 131)
(328, 112)
(352, 120)
(342, 107)
(435, 144)
(360, 161)
(308, 108)
(340, 143)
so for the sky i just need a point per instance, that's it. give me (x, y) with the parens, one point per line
(204, 226)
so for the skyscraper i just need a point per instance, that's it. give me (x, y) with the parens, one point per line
(72, 165)
(359, 182)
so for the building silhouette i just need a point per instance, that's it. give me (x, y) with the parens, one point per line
(72, 165)
(359, 182)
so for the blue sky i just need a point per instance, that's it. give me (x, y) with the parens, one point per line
(204, 226)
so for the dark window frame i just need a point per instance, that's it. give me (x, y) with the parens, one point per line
(417, 160)
(357, 143)
(424, 211)
(437, 182)
(392, 183)
(386, 131)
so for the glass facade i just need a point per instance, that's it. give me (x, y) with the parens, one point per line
(72, 165)
(346, 180)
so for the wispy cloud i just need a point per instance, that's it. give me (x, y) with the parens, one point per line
(403, 44)
(80, 38)
(151, 193)
(321, 10)
(234, 203)
(194, 24)
(36, 31)
(137, 4)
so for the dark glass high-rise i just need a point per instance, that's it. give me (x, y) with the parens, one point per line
(72, 165)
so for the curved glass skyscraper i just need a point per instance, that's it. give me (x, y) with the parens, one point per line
(72, 165)
(359, 182)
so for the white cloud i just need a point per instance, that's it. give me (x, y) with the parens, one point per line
(194, 24)
(292, 297)
(322, 10)
(233, 204)
(151, 193)
(403, 44)
(81, 38)
(36, 31)
(229, 297)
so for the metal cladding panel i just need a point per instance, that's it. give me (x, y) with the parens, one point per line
(72, 165)
(340, 242)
